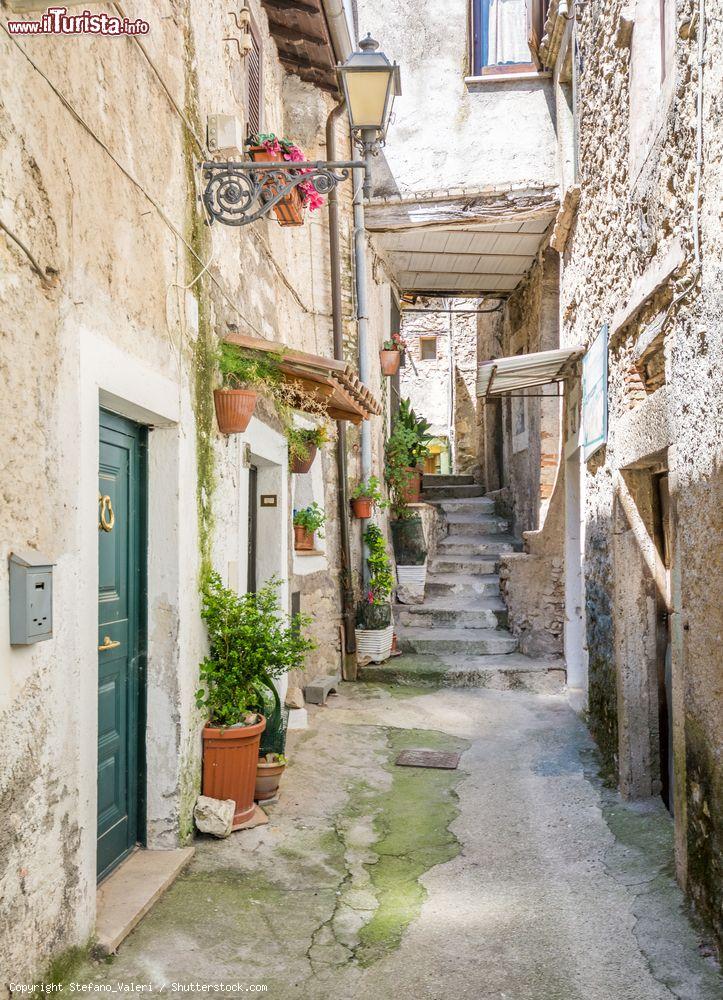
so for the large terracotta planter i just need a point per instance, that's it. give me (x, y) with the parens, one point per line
(411, 492)
(234, 409)
(391, 360)
(303, 539)
(268, 779)
(362, 507)
(301, 465)
(230, 757)
(290, 210)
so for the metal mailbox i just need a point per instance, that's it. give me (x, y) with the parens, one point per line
(31, 598)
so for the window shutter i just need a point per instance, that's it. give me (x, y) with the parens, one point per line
(254, 95)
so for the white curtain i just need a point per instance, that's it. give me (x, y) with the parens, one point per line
(507, 32)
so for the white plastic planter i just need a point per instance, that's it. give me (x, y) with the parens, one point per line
(374, 643)
(411, 580)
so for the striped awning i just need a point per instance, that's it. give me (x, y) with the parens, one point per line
(333, 383)
(523, 371)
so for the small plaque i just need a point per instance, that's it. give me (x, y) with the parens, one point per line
(269, 500)
(428, 758)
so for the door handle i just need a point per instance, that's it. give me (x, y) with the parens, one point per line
(108, 644)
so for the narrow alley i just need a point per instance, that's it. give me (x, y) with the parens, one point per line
(516, 876)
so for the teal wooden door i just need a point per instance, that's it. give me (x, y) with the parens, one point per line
(121, 639)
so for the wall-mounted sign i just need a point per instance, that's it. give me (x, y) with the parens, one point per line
(595, 394)
(269, 500)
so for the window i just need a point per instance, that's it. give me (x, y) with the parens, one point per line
(427, 348)
(254, 83)
(501, 34)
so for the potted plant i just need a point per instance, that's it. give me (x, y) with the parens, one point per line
(243, 375)
(365, 496)
(303, 445)
(289, 211)
(269, 772)
(391, 355)
(406, 447)
(250, 645)
(375, 632)
(271, 764)
(307, 523)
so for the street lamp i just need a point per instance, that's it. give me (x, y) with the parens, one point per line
(370, 83)
(240, 192)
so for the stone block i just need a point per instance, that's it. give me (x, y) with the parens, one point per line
(320, 688)
(214, 816)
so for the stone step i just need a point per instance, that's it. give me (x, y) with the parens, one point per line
(451, 492)
(476, 524)
(480, 545)
(461, 642)
(436, 480)
(462, 585)
(512, 672)
(466, 505)
(469, 564)
(466, 616)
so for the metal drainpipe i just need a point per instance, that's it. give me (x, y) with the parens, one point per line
(362, 186)
(347, 590)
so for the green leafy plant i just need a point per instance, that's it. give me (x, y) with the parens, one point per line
(245, 369)
(381, 579)
(301, 440)
(407, 446)
(251, 642)
(370, 489)
(312, 518)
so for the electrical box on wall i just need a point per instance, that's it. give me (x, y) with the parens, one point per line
(31, 598)
(224, 135)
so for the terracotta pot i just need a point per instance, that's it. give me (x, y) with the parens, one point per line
(230, 757)
(234, 409)
(412, 491)
(290, 210)
(362, 507)
(268, 779)
(302, 465)
(303, 539)
(391, 360)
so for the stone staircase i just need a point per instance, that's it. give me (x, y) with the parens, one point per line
(458, 637)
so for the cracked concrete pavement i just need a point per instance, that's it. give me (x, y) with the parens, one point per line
(517, 876)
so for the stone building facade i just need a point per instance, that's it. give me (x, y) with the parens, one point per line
(114, 296)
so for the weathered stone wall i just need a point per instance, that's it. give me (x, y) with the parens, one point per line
(631, 262)
(114, 291)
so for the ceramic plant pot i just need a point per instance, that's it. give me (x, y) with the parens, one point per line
(230, 757)
(391, 361)
(268, 779)
(412, 490)
(290, 210)
(362, 507)
(234, 409)
(303, 539)
(301, 465)
(374, 643)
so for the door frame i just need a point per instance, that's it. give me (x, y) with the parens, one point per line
(121, 424)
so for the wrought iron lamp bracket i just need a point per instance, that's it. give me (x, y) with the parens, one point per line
(238, 192)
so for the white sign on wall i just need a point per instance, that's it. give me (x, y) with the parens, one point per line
(595, 394)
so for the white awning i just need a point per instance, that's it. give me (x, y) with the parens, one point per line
(522, 371)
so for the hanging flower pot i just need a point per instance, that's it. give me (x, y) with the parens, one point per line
(362, 507)
(230, 759)
(234, 409)
(290, 210)
(303, 538)
(391, 361)
(299, 465)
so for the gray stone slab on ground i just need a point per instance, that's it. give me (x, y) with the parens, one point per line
(318, 690)
(129, 893)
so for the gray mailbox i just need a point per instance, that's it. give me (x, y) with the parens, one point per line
(31, 598)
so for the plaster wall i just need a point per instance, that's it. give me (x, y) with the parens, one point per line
(112, 293)
(451, 132)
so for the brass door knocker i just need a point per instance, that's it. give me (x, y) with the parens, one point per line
(107, 514)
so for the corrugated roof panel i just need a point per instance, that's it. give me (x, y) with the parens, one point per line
(523, 371)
